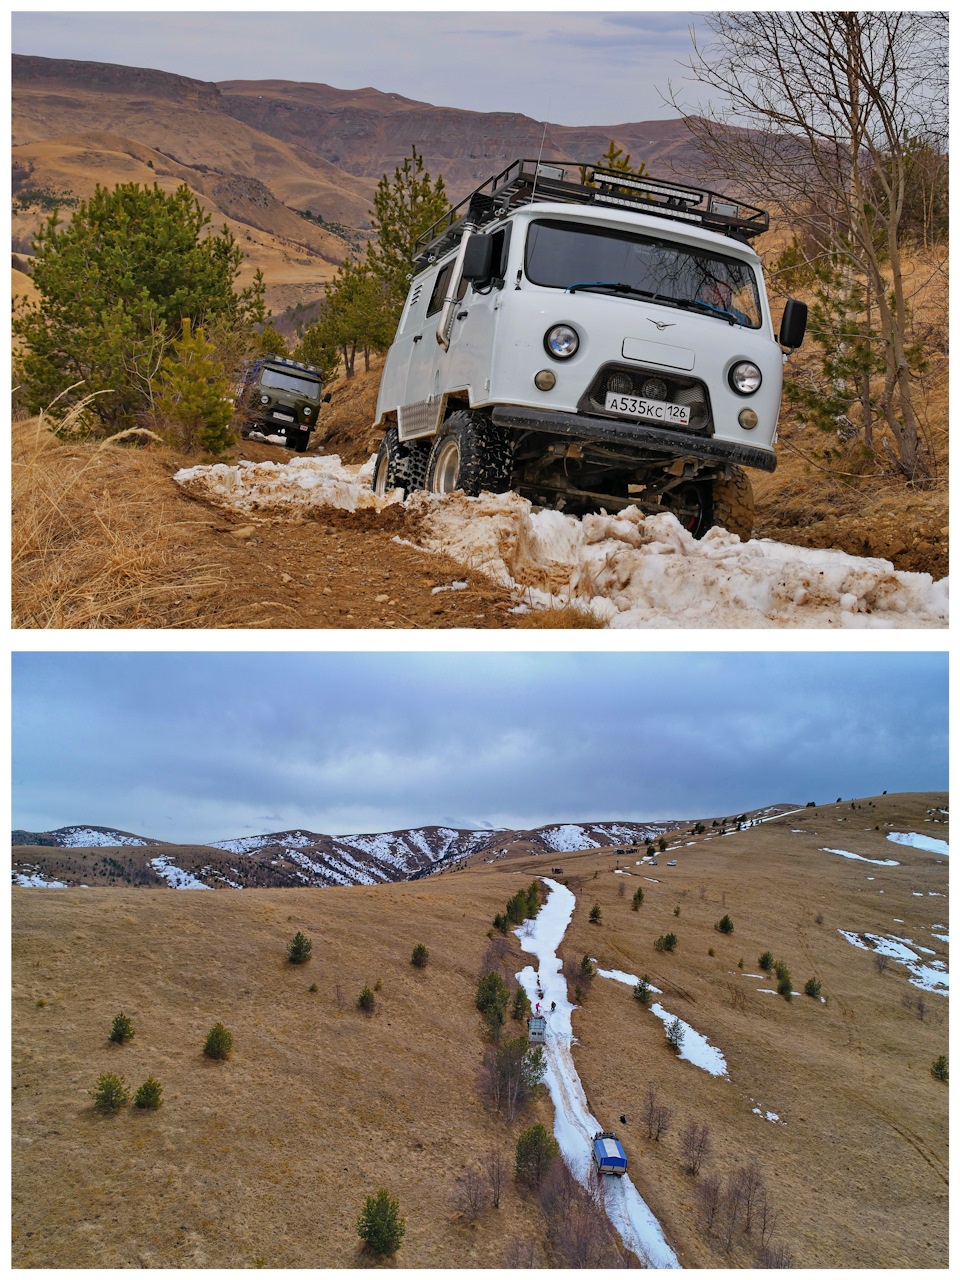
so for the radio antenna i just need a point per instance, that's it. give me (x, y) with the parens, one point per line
(543, 137)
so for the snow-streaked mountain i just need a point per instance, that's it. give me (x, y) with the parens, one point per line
(83, 838)
(298, 858)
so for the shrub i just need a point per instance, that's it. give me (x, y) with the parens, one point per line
(586, 968)
(766, 962)
(536, 1150)
(150, 1095)
(675, 1033)
(785, 986)
(710, 951)
(521, 1005)
(637, 900)
(501, 922)
(366, 1000)
(379, 1225)
(298, 952)
(596, 915)
(939, 1069)
(579, 994)
(377, 986)
(662, 843)
(492, 1000)
(695, 1146)
(676, 910)
(122, 1029)
(420, 956)
(780, 969)
(41, 1004)
(724, 925)
(812, 987)
(313, 987)
(110, 1093)
(666, 942)
(641, 991)
(219, 1042)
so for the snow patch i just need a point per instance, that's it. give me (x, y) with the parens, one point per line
(174, 876)
(876, 862)
(931, 976)
(919, 842)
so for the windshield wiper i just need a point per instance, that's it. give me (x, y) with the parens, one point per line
(615, 285)
(688, 304)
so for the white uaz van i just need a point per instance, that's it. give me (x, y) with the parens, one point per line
(588, 338)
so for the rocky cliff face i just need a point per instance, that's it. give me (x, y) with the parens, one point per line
(106, 77)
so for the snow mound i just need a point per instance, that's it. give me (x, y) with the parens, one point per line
(855, 857)
(630, 570)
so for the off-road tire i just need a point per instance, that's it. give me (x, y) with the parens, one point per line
(732, 502)
(399, 465)
(299, 441)
(470, 454)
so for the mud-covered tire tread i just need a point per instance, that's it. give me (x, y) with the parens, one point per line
(486, 453)
(733, 504)
(406, 463)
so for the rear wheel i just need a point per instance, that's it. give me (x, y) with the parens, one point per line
(691, 504)
(470, 454)
(733, 505)
(298, 440)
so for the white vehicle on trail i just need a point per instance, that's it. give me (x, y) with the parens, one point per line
(588, 338)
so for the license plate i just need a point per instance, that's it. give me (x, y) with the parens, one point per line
(284, 417)
(655, 410)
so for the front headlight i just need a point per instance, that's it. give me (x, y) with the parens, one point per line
(264, 399)
(306, 411)
(745, 378)
(561, 342)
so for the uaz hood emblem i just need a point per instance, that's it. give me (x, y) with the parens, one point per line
(662, 324)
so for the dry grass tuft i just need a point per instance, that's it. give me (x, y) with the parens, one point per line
(91, 544)
(566, 616)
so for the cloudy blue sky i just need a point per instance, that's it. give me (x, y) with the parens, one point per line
(571, 68)
(200, 746)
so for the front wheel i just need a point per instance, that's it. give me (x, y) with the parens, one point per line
(298, 440)
(469, 454)
(399, 465)
(733, 505)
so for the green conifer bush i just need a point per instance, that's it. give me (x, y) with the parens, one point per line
(219, 1042)
(111, 1092)
(298, 952)
(122, 1029)
(420, 956)
(150, 1095)
(380, 1226)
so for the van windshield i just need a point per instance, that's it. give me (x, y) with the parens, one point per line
(308, 387)
(561, 255)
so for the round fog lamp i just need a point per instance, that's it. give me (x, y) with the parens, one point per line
(748, 419)
(655, 388)
(561, 342)
(264, 399)
(745, 378)
(545, 380)
(620, 384)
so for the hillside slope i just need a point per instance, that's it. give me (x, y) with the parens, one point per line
(265, 1159)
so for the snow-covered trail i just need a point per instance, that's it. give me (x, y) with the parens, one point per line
(627, 569)
(574, 1126)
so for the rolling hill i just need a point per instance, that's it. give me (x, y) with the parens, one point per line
(265, 1159)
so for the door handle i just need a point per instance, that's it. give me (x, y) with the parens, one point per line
(462, 315)
(418, 337)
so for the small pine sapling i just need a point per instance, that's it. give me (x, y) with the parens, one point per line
(379, 1225)
(298, 952)
(596, 915)
(366, 1000)
(675, 1033)
(641, 991)
(111, 1092)
(676, 910)
(724, 925)
(812, 987)
(586, 968)
(521, 1005)
(122, 1029)
(939, 1069)
(218, 1043)
(637, 900)
(766, 962)
(150, 1095)
(536, 1151)
(420, 956)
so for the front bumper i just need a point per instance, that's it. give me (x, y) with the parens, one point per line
(673, 444)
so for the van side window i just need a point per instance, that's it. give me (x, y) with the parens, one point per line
(441, 286)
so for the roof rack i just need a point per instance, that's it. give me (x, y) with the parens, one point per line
(530, 181)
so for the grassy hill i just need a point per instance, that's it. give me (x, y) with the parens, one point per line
(265, 1159)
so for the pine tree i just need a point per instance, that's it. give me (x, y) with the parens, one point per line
(420, 956)
(219, 1042)
(379, 1225)
(114, 283)
(150, 1095)
(110, 1093)
(637, 899)
(122, 1029)
(403, 209)
(536, 1151)
(596, 915)
(298, 952)
(191, 394)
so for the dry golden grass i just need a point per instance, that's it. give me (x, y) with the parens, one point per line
(565, 616)
(270, 1154)
(99, 540)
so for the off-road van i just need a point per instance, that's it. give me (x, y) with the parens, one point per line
(588, 338)
(279, 397)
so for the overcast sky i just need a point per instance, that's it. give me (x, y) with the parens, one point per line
(191, 747)
(565, 67)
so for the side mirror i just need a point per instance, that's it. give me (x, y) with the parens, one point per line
(478, 258)
(327, 398)
(794, 324)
